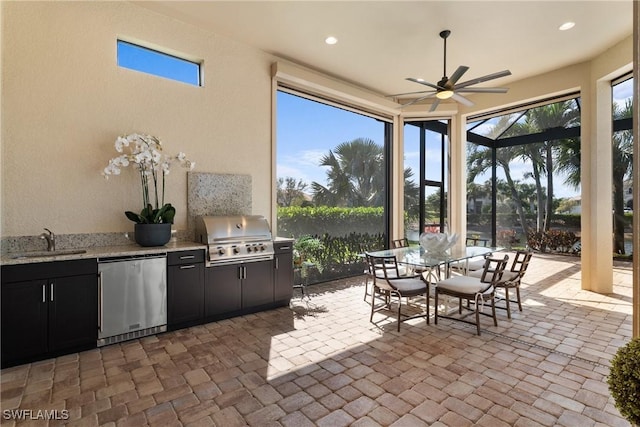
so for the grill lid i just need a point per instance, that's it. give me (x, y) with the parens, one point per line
(232, 239)
(232, 229)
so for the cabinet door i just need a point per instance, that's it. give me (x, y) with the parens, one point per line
(73, 312)
(185, 294)
(24, 320)
(283, 277)
(222, 291)
(257, 284)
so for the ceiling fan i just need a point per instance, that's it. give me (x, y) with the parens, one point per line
(448, 87)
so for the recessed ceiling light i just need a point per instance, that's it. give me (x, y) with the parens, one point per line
(331, 40)
(567, 26)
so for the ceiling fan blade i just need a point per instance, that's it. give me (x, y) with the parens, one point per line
(417, 100)
(484, 78)
(462, 100)
(422, 82)
(458, 73)
(408, 93)
(482, 89)
(434, 105)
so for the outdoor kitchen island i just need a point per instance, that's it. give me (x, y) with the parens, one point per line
(51, 306)
(246, 270)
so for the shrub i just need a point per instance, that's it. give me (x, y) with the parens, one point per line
(507, 238)
(552, 240)
(337, 256)
(624, 380)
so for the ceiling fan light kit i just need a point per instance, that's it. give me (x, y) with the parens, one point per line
(448, 87)
(444, 94)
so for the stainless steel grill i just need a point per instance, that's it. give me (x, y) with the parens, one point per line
(233, 239)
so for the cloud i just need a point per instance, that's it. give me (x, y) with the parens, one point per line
(303, 165)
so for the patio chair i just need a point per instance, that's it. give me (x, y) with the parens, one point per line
(389, 283)
(476, 241)
(475, 289)
(401, 243)
(369, 272)
(511, 279)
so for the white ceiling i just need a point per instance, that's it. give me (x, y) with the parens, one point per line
(380, 43)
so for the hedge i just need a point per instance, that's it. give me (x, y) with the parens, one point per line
(296, 221)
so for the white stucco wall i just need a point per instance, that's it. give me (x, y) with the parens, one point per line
(64, 101)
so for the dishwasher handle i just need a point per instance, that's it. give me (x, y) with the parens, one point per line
(100, 301)
(131, 257)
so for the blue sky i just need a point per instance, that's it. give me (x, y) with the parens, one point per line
(307, 130)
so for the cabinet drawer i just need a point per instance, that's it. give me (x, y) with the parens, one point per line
(283, 247)
(185, 257)
(48, 270)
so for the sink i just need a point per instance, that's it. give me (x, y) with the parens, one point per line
(41, 254)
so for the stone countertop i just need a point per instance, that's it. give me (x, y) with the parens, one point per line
(100, 252)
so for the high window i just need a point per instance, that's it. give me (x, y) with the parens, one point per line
(157, 63)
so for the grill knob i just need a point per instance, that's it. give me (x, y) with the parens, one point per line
(248, 248)
(236, 250)
(220, 251)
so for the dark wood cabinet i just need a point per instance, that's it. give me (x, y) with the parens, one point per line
(238, 288)
(283, 272)
(48, 309)
(223, 292)
(24, 321)
(73, 312)
(257, 284)
(185, 288)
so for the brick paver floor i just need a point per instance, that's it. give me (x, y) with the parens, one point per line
(321, 362)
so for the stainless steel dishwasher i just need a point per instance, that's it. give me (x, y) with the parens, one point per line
(132, 297)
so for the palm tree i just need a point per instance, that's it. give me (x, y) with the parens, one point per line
(479, 161)
(356, 176)
(557, 115)
(532, 153)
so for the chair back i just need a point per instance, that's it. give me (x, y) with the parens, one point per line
(521, 262)
(401, 243)
(493, 269)
(476, 241)
(383, 268)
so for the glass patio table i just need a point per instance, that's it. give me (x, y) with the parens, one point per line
(417, 259)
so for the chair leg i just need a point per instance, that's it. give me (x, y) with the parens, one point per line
(399, 311)
(477, 315)
(366, 288)
(436, 307)
(426, 298)
(493, 310)
(506, 300)
(518, 296)
(373, 301)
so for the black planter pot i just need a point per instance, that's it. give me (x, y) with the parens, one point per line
(152, 234)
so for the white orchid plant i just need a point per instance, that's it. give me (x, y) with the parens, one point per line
(144, 152)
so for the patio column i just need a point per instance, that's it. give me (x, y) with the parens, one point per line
(397, 194)
(597, 204)
(457, 193)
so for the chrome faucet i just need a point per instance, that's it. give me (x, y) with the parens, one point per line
(50, 238)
